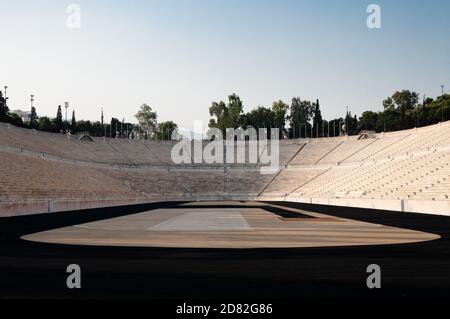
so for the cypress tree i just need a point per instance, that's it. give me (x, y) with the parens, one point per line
(59, 121)
(73, 126)
(3, 108)
(33, 118)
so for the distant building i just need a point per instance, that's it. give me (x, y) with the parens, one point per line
(25, 116)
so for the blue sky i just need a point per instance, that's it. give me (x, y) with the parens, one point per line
(180, 55)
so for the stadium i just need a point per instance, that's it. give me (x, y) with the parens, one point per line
(207, 157)
(123, 210)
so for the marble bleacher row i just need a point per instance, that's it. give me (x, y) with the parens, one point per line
(422, 176)
(412, 164)
(408, 165)
(106, 151)
(25, 178)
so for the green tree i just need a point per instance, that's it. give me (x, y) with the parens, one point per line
(226, 115)
(335, 127)
(15, 120)
(97, 129)
(73, 125)
(368, 121)
(402, 102)
(222, 119)
(439, 109)
(389, 120)
(33, 118)
(59, 121)
(115, 127)
(45, 124)
(280, 110)
(4, 110)
(147, 120)
(84, 127)
(424, 112)
(351, 124)
(165, 130)
(300, 116)
(260, 118)
(317, 119)
(236, 108)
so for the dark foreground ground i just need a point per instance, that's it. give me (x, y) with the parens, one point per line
(34, 270)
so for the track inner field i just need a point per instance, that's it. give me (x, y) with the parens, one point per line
(38, 270)
(223, 228)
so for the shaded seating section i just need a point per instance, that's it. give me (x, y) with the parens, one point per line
(60, 145)
(150, 182)
(135, 152)
(246, 181)
(161, 150)
(200, 182)
(25, 178)
(290, 180)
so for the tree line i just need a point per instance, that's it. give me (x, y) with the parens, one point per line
(299, 119)
(303, 118)
(147, 127)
